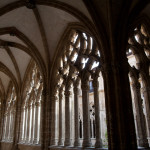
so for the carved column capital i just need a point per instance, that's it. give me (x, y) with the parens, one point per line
(37, 104)
(68, 93)
(95, 82)
(60, 95)
(61, 90)
(28, 105)
(76, 90)
(23, 108)
(44, 92)
(54, 98)
(136, 85)
(85, 87)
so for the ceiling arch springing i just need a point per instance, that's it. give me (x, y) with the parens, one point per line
(19, 56)
(4, 80)
(8, 62)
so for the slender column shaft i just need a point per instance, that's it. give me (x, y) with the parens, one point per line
(7, 129)
(60, 142)
(16, 124)
(21, 137)
(22, 124)
(4, 127)
(67, 118)
(13, 125)
(28, 124)
(92, 131)
(97, 113)
(53, 121)
(25, 120)
(32, 124)
(10, 126)
(146, 94)
(2, 119)
(140, 119)
(86, 116)
(76, 115)
(36, 123)
(39, 123)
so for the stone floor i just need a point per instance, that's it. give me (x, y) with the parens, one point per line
(89, 148)
(140, 148)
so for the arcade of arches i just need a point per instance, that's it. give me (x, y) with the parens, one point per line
(74, 74)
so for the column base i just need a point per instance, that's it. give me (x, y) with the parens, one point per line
(143, 143)
(21, 141)
(35, 141)
(67, 142)
(26, 141)
(31, 141)
(148, 141)
(77, 143)
(39, 141)
(53, 142)
(98, 144)
(60, 142)
(87, 143)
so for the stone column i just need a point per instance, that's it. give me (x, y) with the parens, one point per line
(92, 131)
(60, 141)
(13, 123)
(76, 113)
(86, 115)
(119, 112)
(53, 120)
(146, 94)
(37, 105)
(97, 111)
(22, 124)
(140, 119)
(32, 123)
(67, 115)
(39, 123)
(4, 127)
(17, 121)
(2, 119)
(9, 125)
(25, 119)
(28, 124)
(45, 132)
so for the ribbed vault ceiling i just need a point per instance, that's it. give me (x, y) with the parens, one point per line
(42, 27)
